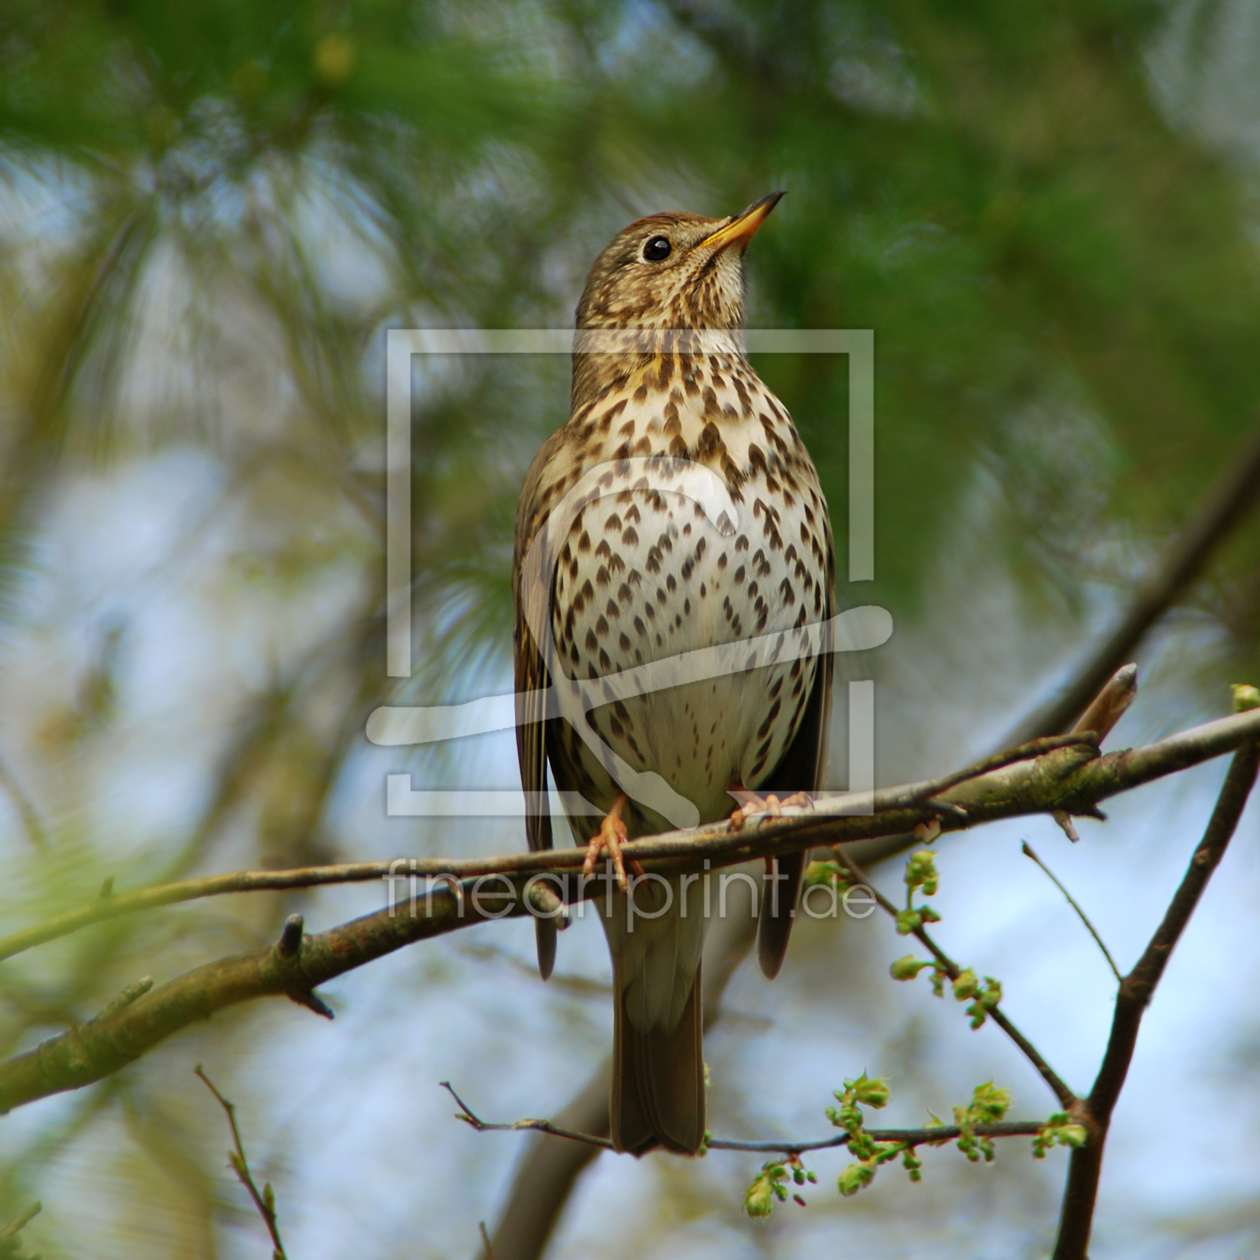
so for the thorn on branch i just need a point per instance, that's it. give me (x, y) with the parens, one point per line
(290, 943)
(1064, 820)
(107, 889)
(287, 952)
(1110, 704)
(313, 1002)
(138, 988)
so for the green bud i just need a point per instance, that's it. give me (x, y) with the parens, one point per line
(989, 1103)
(768, 1186)
(826, 874)
(1057, 1130)
(921, 871)
(967, 985)
(759, 1201)
(1245, 697)
(908, 921)
(907, 968)
(871, 1093)
(854, 1178)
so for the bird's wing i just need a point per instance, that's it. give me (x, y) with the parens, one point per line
(532, 602)
(801, 768)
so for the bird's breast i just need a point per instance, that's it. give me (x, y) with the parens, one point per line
(648, 572)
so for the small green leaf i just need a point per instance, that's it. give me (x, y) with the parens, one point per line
(908, 968)
(871, 1093)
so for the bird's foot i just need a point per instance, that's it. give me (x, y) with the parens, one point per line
(613, 833)
(753, 806)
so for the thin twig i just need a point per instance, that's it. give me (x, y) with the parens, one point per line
(264, 1202)
(469, 1117)
(1111, 962)
(1061, 1091)
(910, 1137)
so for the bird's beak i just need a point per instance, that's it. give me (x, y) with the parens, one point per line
(743, 227)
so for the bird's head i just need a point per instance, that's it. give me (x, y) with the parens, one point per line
(673, 270)
(665, 271)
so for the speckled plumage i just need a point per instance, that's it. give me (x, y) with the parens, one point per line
(644, 575)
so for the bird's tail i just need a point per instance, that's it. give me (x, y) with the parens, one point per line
(658, 1081)
(656, 938)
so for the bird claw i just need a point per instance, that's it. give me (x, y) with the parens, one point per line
(613, 833)
(765, 806)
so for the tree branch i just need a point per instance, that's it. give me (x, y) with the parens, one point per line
(1070, 776)
(1136, 990)
(118, 1036)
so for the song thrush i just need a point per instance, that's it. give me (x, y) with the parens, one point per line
(644, 574)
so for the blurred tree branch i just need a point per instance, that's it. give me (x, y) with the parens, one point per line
(1219, 512)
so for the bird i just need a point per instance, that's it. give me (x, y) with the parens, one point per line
(642, 574)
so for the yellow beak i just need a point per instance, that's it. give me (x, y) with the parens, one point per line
(744, 226)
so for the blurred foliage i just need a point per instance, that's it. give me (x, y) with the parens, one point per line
(210, 212)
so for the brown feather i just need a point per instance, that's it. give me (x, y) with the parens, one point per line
(658, 1082)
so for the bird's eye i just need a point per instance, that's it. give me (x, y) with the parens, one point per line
(657, 249)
